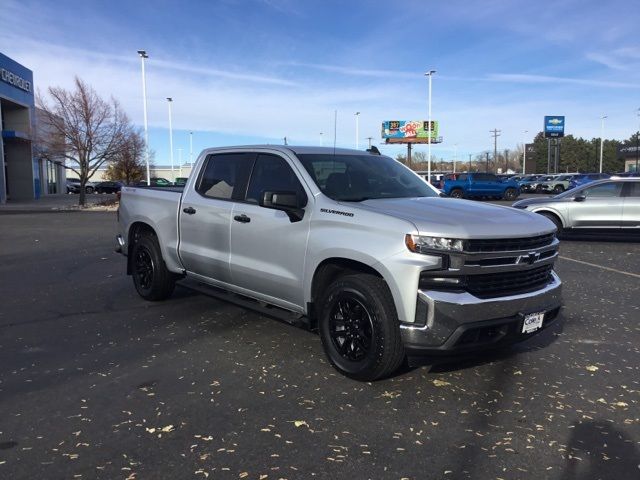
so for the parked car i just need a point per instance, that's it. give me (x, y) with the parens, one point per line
(155, 182)
(474, 185)
(584, 178)
(73, 186)
(611, 205)
(535, 186)
(524, 182)
(558, 185)
(108, 187)
(181, 181)
(351, 244)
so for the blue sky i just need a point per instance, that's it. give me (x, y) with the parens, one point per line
(255, 71)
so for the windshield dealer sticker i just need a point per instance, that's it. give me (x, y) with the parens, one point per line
(337, 212)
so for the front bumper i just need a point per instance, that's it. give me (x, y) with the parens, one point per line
(460, 322)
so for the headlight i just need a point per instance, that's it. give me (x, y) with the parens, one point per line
(422, 244)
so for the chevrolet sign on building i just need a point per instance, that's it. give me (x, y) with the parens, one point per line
(15, 80)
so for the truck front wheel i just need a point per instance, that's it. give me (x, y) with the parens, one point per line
(150, 275)
(359, 328)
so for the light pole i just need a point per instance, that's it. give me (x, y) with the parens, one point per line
(180, 162)
(369, 138)
(357, 114)
(601, 139)
(170, 101)
(429, 74)
(455, 156)
(321, 141)
(191, 149)
(524, 149)
(143, 55)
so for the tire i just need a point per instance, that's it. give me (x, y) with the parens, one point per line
(359, 328)
(558, 189)
(510, 194)
(556, 221)
(88, 189)
(150, 275)
(456, 193)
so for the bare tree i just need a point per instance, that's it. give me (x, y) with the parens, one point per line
(128, 164)
(87, 131)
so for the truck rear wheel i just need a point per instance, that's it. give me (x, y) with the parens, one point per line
(150, 275)
(359, 328)
(510, 194)
(456, 193)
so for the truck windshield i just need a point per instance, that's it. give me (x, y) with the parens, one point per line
(354, 178)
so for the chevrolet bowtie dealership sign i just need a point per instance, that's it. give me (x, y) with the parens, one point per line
(15, 80)
(553, 126)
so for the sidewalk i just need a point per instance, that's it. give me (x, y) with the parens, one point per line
(61, 203)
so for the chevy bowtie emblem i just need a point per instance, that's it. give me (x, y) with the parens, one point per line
(530, 259)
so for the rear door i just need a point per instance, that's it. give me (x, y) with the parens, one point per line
(267, 248)
(631, 206)
(205, 215)
(602, 207)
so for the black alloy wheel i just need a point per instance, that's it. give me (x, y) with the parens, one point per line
(558, 189)
(456, 193)
(510, 194)
(152, 279)
(350, 327)
(359, 327)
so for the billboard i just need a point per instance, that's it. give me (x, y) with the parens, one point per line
(553, 126)
(410, 129)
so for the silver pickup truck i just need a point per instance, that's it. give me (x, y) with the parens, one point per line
(355, 244)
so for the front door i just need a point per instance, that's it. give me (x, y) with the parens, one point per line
(602, 207)
(268, 248)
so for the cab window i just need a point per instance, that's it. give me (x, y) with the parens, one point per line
(272, 173)
(225, 175)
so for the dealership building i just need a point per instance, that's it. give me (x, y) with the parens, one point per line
(23, 176)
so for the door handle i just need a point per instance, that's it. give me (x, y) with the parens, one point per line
(189, 210)
(242, 218)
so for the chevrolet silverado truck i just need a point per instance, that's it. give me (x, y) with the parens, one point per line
(470, 185)
(353, 244)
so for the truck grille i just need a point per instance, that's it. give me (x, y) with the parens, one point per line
(508, 283)
(509, 244)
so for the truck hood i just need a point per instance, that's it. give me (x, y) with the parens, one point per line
(462, 219)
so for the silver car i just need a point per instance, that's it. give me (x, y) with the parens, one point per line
(612, 204)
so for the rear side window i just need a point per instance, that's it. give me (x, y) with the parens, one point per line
(272, 173)
(461, 177)
(225, 175)
(634, 189)
(485, 177)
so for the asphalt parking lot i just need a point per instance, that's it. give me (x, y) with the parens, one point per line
(97, 383)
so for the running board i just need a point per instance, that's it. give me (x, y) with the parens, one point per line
(292, 318)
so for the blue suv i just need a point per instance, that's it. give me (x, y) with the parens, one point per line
(584, 178)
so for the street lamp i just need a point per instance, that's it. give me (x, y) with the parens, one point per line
(170, 101)
(429, 74)
(601, 139)
(524, 150)
(143, 55)
(357, 114)
(321, 141)
(455, 156)
(191, 149)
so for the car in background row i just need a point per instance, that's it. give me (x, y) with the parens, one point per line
(108, 187)
(584, 178)
(73, 186)
(557, 185)
(475, 185)
(155, 182)
(181, 181)
(603, 206)
(534, 185)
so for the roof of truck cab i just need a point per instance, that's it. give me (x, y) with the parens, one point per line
(295, 149)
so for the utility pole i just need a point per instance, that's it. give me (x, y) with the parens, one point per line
(506, 160)
(496, 133)
(469, 163)
(369, 138)
(285, 140)
(486, 168)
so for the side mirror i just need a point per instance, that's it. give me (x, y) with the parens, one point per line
(288, 202)
(580, 197)
(442, 194)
